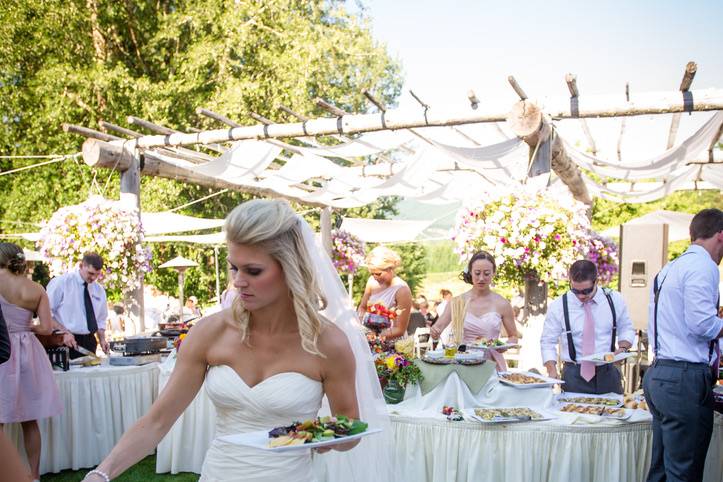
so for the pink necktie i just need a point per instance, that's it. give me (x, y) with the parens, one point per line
(587, 369)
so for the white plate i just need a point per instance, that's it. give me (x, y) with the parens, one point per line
(598, 359)
(434, 354)
(260, 440)
(611, 396)
(469, 414)
(544, 381)
(628, 412)
(469, 356)
(506, 346)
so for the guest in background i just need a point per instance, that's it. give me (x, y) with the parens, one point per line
(384, 286)
(78, 303)
(429, 317)
(116, 319)
(192, 305)
(480, 312)
(684, 328)
(4, 340)
(229, 294)
(446, 296)
(586, 323)
(28, 391)
(154, 305)
(417, 318)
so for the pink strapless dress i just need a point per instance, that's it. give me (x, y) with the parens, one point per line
(487, 325)
(27, 386)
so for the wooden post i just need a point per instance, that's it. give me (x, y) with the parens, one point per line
(535, 295)
(529, 123)
(218, 284)
(690, 69)
(325, 227)
(130, 188)
(181, 282)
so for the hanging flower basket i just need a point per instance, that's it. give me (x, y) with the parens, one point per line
(526, 231)
(348, 251)
(98, 225)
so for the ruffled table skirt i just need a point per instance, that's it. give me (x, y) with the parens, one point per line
(100, 404)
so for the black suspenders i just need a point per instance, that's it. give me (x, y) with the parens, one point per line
(656, 297)
(566, 313)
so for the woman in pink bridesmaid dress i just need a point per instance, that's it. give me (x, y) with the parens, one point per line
(29, 391)
(480, 312)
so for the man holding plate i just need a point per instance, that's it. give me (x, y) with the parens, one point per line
(586, 321)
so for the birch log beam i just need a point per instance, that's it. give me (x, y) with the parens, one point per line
(588, 106)
(528, 123)
(111, 156)
(690, 69)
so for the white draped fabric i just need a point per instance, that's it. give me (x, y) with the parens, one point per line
(427, 447)
(100, 404)
(246, 159)
(179, 450)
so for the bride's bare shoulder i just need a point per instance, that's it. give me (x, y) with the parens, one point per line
(212, 326)
(332, 340)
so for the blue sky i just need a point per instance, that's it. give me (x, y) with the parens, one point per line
(448, 47)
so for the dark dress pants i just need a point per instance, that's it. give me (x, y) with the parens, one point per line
(607, 379)
(88, 342)
(680, 398)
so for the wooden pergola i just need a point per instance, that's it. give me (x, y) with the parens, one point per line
(134, 154)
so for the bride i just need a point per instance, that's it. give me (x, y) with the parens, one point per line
(287, 347)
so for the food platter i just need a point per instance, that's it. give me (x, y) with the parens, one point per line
(438, 358)
(607, 412)
(607, 400)
(491, 344)
(505, 415)
(525, 380)
(606, 357)
(260, 440)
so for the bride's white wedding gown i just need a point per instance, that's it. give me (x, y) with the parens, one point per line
(276, 401)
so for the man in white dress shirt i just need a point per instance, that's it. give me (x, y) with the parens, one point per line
(684, 329)
(586, 321)
(79, 304)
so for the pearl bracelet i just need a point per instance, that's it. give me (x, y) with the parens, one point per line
(99, 472)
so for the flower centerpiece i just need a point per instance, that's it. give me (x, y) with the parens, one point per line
(527, 231)
(347, 251)
(395, 372)
(109, 228)
(604, 253)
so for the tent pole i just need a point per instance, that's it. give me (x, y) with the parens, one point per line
(218, 287)
(325, 226)
(130, 192)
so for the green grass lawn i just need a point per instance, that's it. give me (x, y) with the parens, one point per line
(142, 471)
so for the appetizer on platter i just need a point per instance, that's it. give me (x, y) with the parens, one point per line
(592, 410)
(319, 429)
(491, 413)
(610, 402)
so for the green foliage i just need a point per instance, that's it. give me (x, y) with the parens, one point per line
(441, 257)
(143, 471)
(82, 61)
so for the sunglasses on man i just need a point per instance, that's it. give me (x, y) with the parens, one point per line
(584, 291)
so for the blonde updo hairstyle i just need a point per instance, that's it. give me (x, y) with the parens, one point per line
(383, 258)
(12, 258)
(274, 227)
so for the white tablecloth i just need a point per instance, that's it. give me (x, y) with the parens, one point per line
(184, 447)
(571, 447)
(100, 404)
(429, 448)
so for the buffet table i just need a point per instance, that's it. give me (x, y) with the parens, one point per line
(571, 447)
(100, 404)
(427, 447)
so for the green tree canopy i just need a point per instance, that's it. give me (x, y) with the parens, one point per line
(82, 61)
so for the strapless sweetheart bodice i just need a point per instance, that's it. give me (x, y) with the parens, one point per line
(278, 400)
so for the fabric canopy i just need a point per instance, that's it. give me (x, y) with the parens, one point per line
(384, 231)
(678, 224)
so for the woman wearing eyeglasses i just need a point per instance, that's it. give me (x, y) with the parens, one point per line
(384, 286)
(586, 320)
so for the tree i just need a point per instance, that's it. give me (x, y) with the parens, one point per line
(82, 61)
